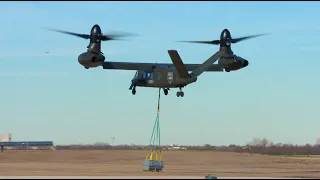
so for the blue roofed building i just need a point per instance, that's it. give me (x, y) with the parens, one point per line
(27, 143)
(7, 142)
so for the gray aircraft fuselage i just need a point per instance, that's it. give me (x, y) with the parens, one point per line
(162, 78)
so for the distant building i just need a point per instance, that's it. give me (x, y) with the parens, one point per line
(6, 140)
(27, 143)
(175, 147)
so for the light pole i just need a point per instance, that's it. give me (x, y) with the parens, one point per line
(113, 138)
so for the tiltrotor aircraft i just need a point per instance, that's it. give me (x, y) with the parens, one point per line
(162, 75)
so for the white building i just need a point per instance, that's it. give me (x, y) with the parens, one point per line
(175, 147)
(6, 137)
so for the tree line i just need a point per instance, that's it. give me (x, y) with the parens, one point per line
(257, 145)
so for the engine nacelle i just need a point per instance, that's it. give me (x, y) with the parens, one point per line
(242, 62)
(91, 60)
(233, 63)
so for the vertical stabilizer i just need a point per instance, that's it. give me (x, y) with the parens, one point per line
(177, 62)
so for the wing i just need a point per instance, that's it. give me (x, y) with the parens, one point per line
(151, 66)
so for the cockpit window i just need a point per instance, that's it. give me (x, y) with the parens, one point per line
(136, 75)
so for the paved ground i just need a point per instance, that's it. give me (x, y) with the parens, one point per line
(129, 163)
(129, 177)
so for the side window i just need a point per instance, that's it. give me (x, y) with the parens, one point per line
(151, 75)
(159, 76)
(144, 75)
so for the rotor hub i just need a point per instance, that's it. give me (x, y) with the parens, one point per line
(96, 30)
(225, 35)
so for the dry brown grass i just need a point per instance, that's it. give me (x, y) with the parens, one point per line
(129, 162)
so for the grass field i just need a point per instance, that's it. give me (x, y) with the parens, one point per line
(177, 163)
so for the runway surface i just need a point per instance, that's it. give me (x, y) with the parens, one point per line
(133, 177)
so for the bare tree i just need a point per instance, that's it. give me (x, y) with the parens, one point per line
(256, 142)
(100, 144)
(265, 142)
(317, 142)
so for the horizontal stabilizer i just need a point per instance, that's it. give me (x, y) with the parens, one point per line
(177, 62)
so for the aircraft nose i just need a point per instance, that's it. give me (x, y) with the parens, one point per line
(96, 29)
(225, 34)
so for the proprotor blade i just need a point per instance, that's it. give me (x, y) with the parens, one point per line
(215, 42)
(96, 34)
(84, 36)
(225, 39)
(116, 35)
(235, 40)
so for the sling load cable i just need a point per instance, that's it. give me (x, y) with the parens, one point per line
(155, 138)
